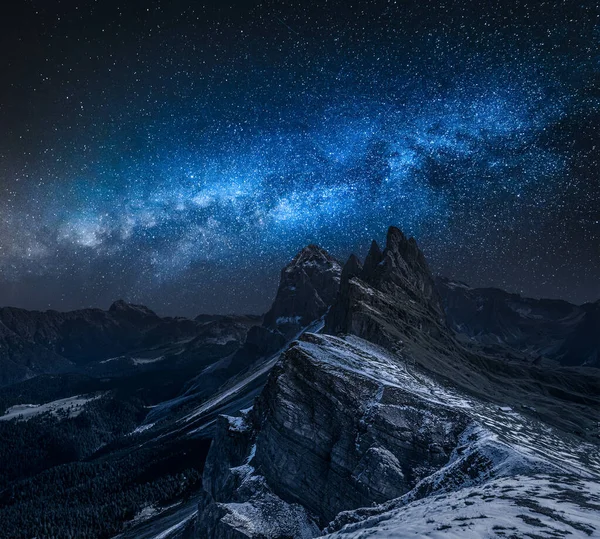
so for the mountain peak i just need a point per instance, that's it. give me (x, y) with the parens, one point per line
(308, 285)
(352, 268)
(310, 255)
(397, 242)
(374, 258)
(395, 235)
(118, 305)
(393, 285)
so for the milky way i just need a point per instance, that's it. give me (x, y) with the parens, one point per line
(179, 155)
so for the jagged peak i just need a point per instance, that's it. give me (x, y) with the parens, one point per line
(308, 285)
(312, 254)
(397, 241)
(395, 236)
(375, 250)
(400, 272)
(373, 259)
(351, 268)
(398, 245)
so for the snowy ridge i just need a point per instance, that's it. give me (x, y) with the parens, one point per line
(527, 437)
(509, 474)
(516, 464)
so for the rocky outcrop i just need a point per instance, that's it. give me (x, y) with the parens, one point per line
(334, 429)
(346, 434)
(335, 439)
(308, 286)
(345, 431)
(391, 298)
(237, 503)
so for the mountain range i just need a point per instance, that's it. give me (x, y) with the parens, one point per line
(372, 399)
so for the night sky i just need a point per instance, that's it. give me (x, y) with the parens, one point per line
(178, 154)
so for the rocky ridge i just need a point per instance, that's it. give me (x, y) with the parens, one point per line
(343, 424)
(393, 411)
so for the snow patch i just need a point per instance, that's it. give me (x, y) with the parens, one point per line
(541, 506)
(288, 320)
(142, 428)
(73, 406)
(145, 360)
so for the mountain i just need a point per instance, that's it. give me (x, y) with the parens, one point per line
(390, 415)
(371, 400)
(539, 329)
(306, 289)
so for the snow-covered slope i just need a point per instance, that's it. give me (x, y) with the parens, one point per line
(538, 506)
(69, 407)
(343, 422)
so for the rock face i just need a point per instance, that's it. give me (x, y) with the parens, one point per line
(336, 440)
(389, 298)
(307, 288)
(332, 430)
(538, 329)
(252, 509)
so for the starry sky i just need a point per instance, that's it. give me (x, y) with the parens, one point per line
(178, 154)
